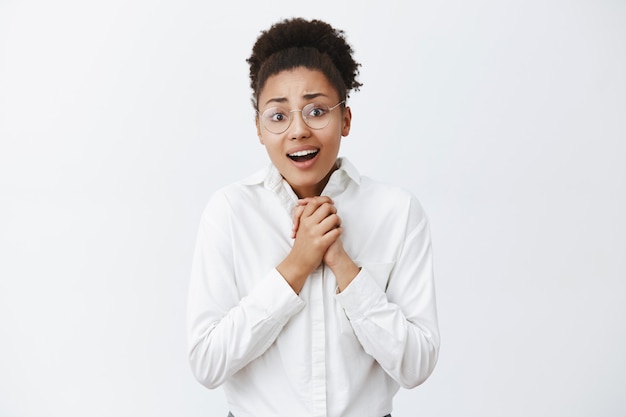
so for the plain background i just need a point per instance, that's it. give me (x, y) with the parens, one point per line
(507, 119)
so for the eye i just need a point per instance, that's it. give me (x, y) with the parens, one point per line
(278, 117)
(275, 115)
(316, 110)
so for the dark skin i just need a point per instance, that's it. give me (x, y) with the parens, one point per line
(317, 227)
(317, 231)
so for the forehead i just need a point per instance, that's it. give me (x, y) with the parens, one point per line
(296, 85)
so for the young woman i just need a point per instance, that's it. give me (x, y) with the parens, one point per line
(312, 290)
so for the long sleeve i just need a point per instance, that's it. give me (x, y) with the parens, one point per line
(315, 353)
(228, 329)
(397, 325)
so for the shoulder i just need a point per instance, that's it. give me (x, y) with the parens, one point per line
(380, 188)
(388, 192)
(392, 200)
(237, 194)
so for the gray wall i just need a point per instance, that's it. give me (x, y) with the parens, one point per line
(507, 119)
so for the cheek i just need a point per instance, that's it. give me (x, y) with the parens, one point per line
(272, 147)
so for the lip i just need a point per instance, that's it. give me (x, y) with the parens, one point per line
(303, 164)
(301, 148)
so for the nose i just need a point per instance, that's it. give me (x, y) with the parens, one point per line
(298, 129)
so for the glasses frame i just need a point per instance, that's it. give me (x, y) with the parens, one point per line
(290, 118)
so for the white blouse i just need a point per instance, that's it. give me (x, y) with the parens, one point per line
(319, 353)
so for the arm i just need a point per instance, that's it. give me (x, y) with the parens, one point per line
(398, 326)
(225, 331)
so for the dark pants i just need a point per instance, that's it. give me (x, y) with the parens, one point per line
(231, 415)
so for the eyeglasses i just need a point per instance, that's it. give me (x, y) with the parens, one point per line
(315, 115)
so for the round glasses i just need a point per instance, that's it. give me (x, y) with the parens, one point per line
(315, 115)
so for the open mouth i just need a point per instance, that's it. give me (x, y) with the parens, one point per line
(301, 156)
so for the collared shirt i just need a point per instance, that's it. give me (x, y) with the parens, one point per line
(320, 352)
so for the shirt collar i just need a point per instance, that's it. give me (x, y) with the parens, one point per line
(273, 181)
(341, 178)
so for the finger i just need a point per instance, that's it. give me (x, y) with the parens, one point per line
(329, 223)
(321, 198)
(331, 236)
(313, 203)
(323, 211)
(297, 214)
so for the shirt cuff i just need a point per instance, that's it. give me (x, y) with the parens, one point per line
(360, 296)
(276, 297)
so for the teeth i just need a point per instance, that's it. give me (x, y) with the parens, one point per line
(303, 153)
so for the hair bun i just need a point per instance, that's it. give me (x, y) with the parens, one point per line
(301, 33)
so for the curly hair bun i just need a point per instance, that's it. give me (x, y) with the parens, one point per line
(287, 44)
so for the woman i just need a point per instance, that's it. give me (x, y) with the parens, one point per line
(312, 290)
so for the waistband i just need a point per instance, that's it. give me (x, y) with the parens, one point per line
(231, 415)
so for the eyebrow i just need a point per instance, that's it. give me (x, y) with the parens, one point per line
(310, 96)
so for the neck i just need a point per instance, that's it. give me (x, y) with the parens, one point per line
(314, 190)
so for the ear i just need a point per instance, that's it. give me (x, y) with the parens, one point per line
(347, 119)
(258, 130)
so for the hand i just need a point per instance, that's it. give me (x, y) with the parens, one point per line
(295, 219)
(299, 209)
(335, 250)
(344, 269)
(316, 228)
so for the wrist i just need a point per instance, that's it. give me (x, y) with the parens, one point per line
(293, 272)
(345, 270)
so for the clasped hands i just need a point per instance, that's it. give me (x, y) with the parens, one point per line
(317, 238)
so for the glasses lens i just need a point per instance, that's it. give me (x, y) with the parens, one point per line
(316, 115)
(276, 119)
